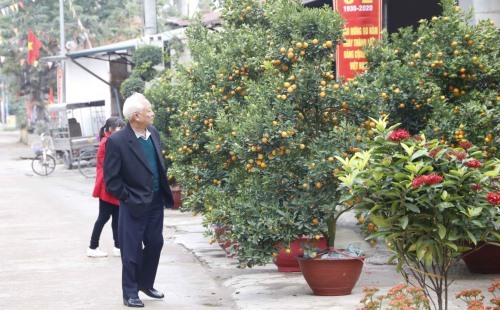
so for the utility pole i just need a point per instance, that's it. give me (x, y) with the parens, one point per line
(4, 103)
(61, 76)
(150, 17)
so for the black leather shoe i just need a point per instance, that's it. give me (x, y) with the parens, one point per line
(133, 302)
(151, 292)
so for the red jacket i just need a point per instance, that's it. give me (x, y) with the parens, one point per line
(100, 187)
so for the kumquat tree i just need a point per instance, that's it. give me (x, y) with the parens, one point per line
(261, 122)
(442, 79)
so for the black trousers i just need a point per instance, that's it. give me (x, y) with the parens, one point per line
(106, 210)
(141, 241)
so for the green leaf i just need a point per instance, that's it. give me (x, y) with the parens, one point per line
(492, 173)
(404, 222)
(441, 231)
(473, 212)
(349, 178)
(380, 222)
(412, 207)
(267, 65)
(412, 247)
(459, 172)
(425, 169)
(400, 176)
(421, 252)
(444, 205)
(428, 258)
(453, 236)
(377, 175)
(418, 154)
(444, 195)
(412, 168)
(472, 237)
(409, 150)
(452, 245)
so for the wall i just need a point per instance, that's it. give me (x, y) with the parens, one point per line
(82, 86)
(483, 9)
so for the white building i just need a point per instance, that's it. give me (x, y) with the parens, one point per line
(97, 73)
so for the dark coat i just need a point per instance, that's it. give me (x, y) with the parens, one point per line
(127, 173)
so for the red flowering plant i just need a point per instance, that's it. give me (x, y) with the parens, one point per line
(427, 200)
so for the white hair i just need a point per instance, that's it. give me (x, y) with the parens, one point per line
(134, 103)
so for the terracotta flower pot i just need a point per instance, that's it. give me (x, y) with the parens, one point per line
(288, 262)
(485, 259)
(176, 192)
(331, 276)
(227, 246)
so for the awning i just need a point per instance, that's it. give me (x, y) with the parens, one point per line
(70, 106)
(119, 47)
(123, 46)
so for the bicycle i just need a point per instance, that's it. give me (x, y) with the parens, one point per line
(43, 163)
(87, 162)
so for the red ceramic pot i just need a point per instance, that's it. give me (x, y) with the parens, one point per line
(485, 259)
(228, 246)
(176, 193)
(331, 276)
(287, 262)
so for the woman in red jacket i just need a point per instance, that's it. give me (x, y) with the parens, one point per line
(108, 204)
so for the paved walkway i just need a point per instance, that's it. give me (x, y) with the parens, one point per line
(45, 224)
(45, 227)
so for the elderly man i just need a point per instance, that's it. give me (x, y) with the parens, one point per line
(134, 172)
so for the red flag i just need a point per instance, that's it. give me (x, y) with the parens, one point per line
(34, 46)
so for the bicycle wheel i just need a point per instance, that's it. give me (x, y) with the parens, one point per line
(87, 163)
(43, 167)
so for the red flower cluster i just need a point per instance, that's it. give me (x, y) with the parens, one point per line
(493, 198)
(428, 179)
(466, 145)
(434, 152)
(458, 155)
(398, 135)
(477, 187)
(474, 163)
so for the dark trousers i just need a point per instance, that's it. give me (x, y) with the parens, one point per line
(106, 210)
(141, 241)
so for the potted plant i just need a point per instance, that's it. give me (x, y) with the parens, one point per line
(429, 201)
(261, 123)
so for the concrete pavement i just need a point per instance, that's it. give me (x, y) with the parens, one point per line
(45, 225)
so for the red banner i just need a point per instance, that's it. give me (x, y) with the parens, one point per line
(59, 83)
(363, 23)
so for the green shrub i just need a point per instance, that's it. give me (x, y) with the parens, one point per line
(147, 54)
(132, 85)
